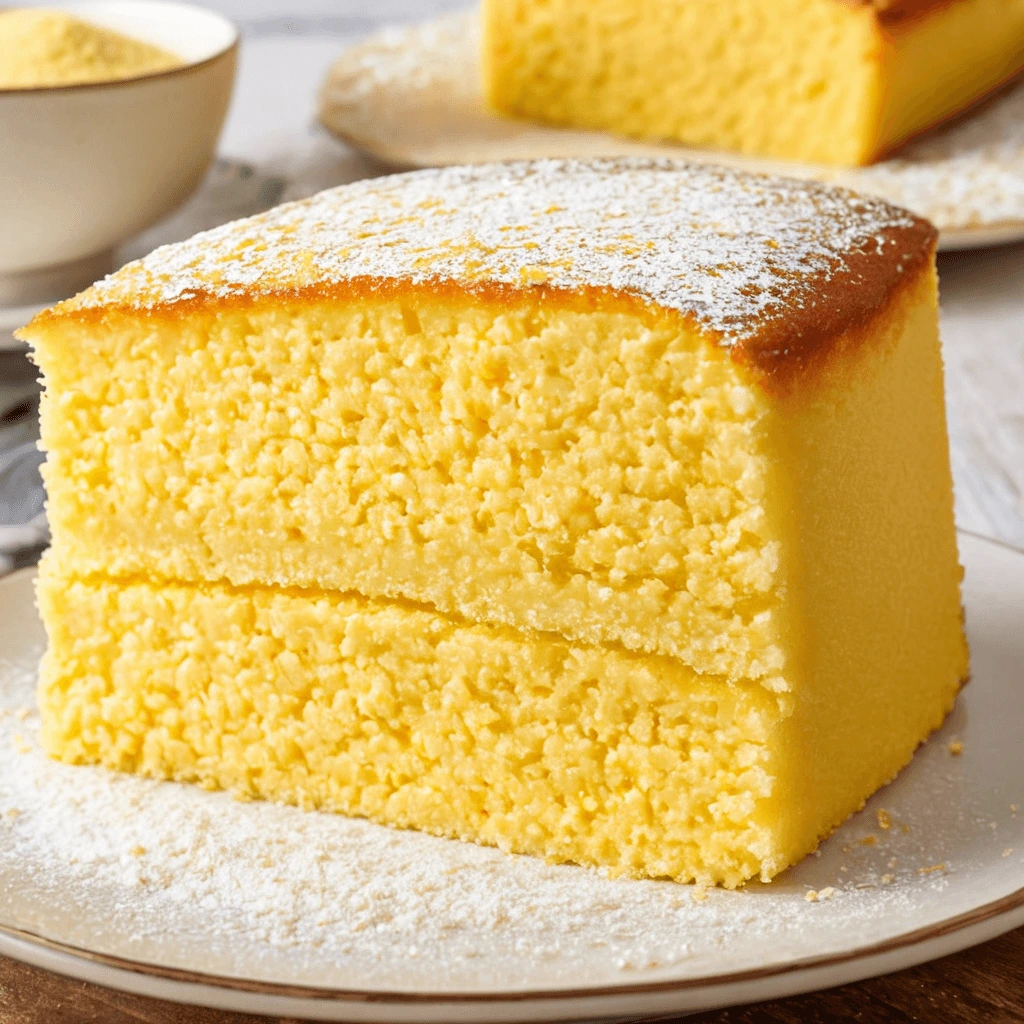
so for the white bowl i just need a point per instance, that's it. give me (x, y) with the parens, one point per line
(84, 167)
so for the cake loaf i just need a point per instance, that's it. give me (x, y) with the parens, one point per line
(838, 82)
(600, 511)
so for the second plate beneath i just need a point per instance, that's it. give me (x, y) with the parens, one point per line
(411, 97)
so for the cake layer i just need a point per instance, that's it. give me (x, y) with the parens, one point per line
(821, 81)
(604, 473)
(384, 710)
(594, 473)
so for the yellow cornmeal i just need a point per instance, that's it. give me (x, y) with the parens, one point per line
(651, 565)
(47, 48)
(824, 81)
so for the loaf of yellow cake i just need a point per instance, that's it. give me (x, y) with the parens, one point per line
(599, 511)
(838, 82)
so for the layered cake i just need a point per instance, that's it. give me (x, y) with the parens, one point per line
(837, 82)
(599, 511)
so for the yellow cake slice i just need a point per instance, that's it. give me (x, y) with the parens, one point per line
(824, 81)
(600, 511)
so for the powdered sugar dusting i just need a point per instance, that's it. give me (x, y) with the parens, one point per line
(735, 251)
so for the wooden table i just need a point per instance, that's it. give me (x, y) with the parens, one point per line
(983, 324)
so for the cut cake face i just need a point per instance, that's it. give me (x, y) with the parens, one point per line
(657, 445)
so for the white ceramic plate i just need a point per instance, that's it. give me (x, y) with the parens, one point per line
(272, 910)
(411, 98)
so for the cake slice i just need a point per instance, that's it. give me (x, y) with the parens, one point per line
(837, 82)
(601, 511)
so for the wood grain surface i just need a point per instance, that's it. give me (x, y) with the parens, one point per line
(984, 984)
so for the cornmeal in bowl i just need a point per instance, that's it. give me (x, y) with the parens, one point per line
(41, 48)
(599, 510)
(838, 82)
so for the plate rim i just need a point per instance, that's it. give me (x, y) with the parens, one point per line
(917, 938)
(908, 940)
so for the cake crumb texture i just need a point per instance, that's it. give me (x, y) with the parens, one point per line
(397, 714)
(592, 473)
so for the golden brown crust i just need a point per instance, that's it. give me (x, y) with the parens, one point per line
(780, 359)
(892, 11)
(841, 304)
(772, 270)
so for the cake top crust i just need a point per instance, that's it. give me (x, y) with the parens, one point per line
(902, 10)
(769, 266)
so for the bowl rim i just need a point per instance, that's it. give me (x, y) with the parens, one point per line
(113, 83)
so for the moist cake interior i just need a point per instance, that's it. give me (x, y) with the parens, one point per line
(552, 565)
